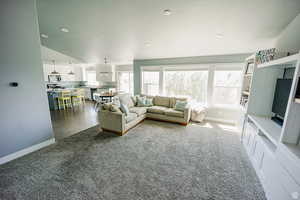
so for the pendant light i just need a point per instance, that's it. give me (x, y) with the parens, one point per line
(71, 72)
(105, 73)
(54, 72)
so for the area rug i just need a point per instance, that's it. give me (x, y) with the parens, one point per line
(155, 160)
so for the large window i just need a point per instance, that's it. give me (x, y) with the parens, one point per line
(91, 77)
(215, 84)
(150, 83)
(192, 84)
(125, 82)
(227, 86)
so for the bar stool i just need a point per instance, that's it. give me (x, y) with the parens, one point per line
(77, 97)
(64, 99)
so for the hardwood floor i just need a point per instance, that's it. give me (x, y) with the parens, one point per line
(71, 121)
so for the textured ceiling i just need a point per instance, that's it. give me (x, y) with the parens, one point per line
(120, 29)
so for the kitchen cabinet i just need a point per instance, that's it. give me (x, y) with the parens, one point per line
(64, 71)
(105, 73)
(87, 93)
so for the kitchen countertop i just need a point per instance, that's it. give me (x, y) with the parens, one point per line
(64, 89)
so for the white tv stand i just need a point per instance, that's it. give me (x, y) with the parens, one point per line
(274, 150)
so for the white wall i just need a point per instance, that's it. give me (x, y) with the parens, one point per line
(24, 112)
(124, 68)
(289, 39)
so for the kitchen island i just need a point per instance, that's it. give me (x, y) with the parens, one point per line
(53, 94)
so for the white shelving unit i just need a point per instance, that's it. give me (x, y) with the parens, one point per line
(281, 62)
(273, 149)
(271, 130)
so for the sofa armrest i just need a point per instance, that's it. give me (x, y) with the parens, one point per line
(187, 113)
(112, 121)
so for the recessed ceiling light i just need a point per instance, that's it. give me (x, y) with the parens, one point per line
(147, 44)
(44, 35)
(65, 30)
(167, 12)
(219, 35)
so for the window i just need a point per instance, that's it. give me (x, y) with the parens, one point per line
(192, 84)
(125, 82)
(91, 78)
(150, 84)
(227, 86)
(214, 84)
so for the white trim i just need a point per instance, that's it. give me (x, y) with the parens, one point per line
(220, 120)
(25, 151)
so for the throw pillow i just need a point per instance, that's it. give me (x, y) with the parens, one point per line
(115, 108)
(149, 102)
(124, 109)
(126, 99)
(141, 101)
(106, 106)
(180, 105)
(134, 99)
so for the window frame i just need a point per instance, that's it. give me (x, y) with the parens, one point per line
(227, 67)
(189, 70)
(118, 80)
(160, 82)
(210, 67)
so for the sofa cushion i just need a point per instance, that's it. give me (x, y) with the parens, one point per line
(174, 113)
(180, 105)
(174, 99)
(126, 100)
(130, 117)
(138, 110)
(157, 109)
(162, 101)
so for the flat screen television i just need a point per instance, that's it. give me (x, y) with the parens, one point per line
(282, 93)
(298, 89)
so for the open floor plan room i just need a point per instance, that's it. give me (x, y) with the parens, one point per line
(142, 100)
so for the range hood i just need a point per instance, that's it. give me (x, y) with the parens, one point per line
(105, 75)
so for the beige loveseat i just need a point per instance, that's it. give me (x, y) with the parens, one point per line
(162, 110)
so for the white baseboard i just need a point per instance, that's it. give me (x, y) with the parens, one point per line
(25, 151)
(220, 120)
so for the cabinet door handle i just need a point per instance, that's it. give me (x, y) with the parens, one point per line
(295, 195)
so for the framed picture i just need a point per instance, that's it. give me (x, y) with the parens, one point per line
(250, 68)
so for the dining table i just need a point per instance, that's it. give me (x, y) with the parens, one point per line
(104, 97)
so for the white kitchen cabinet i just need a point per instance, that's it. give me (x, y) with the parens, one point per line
(64, 71)
(87, 93)
(78, 74)
(105, 73)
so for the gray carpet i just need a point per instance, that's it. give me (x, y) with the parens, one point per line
(155, 160)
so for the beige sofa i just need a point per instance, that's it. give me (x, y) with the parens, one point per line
(162, 110)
